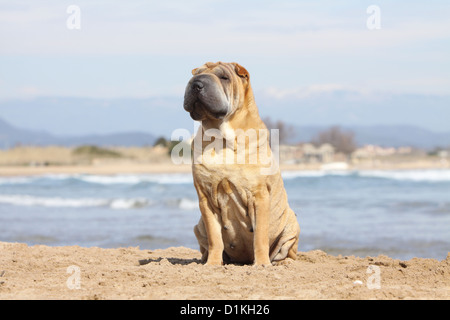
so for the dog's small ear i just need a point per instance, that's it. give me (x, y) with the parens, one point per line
(241, 71)
(199, 70)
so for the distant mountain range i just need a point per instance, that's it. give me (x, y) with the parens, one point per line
(384, 135)
(387, 136)
(408, 119)
(11, 136)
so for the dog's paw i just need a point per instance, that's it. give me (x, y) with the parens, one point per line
(264, 263)
(283, 262)
(214, 263)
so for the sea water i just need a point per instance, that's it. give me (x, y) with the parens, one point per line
(402, 214)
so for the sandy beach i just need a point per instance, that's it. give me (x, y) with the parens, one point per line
(73, 272)
(94, 169)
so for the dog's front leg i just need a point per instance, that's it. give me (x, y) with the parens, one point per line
(213, 231)
(261, 228)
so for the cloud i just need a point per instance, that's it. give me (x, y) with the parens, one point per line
(139, 27)
(301, 48)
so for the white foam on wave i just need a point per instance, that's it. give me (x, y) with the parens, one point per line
(137, 178)
(27, 200)
(300, 174)
(119, 179)
(119, 204)
(314, 173)
(58, 202)
(172, 178)
(188, 204)
(130, 179)
(430, 175)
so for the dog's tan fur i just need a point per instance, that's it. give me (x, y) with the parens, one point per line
(245, 215)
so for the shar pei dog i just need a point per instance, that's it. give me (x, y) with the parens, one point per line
(245, 215)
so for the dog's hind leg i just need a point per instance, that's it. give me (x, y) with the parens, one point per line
(202, 238)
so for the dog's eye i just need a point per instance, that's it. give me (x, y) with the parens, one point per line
(224, 77)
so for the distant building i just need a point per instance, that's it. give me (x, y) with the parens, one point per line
(307, 153)
(291, 154)
(322, 154)
(443, 154)
(373, 151)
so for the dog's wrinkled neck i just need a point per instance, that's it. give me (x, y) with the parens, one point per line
(248, 115)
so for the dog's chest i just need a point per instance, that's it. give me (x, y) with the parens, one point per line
(235, 212)
(229, 191)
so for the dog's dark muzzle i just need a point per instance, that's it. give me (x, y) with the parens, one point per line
(204, 97)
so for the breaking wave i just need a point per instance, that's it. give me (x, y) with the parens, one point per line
(128, 179)
(59, 202)
(116, 203)
(433, 175)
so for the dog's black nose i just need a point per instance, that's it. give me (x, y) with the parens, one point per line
(198, 85)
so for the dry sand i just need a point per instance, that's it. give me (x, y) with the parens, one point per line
(42, 272)
(168, 167)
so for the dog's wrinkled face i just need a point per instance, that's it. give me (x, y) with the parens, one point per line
(216, 90)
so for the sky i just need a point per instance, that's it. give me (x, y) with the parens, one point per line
(295, 51)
